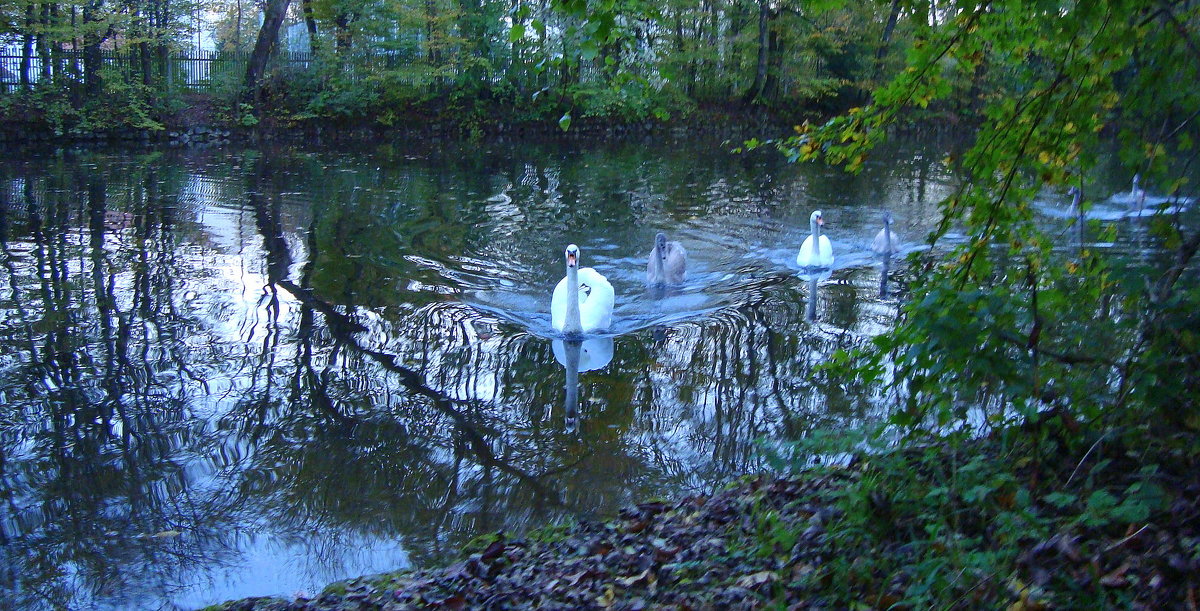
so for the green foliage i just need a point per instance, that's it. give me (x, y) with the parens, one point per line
(474, 64)
(936, 502)
(953, 524)
(124, 103)
(1004, 329)
(246, 115)
(53, 107)
(43, 106)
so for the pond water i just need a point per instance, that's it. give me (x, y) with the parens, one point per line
(231, 372)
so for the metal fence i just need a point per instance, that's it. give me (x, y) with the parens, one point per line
(189, 69)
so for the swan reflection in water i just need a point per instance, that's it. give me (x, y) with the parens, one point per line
(814, 277)
(885, 244)
(578, 356)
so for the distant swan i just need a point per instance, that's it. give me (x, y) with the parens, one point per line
(1137, 178)
(886, 242)
(574, 310)
(823, 255)
(1076, 196)
(668, 262)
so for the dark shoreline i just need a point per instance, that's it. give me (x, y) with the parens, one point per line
(204, 130)
(828, 536)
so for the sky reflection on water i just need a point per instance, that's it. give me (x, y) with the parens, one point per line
(230, 372)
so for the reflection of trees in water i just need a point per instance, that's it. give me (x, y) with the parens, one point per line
(320, 378)
(741, 375)
(94, 424)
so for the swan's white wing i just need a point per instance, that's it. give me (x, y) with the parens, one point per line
(671, 271)
(676, 262)
(595, 312)
(805, 253)
(880, 244)
(805, 257)
(826, 258)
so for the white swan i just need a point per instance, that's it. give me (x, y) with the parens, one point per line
(822, 256)
(1080, 223)
(667, 263)
(886, 242)
(1076, 195)
(574, 310)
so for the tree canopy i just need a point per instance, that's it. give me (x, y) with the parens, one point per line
(1005, 319)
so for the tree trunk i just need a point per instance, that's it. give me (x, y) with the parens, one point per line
(713, 69)
(431, 41)
(27, 48)
(273, 18)
(342, 33)
(764, 53)
(43, 46)
(311, 23)
(92, 62)
(775, 64)
(237, 27)
(681, 47)
(53, 48)
(146, 30)
(881, 52)
(143, 51)
(160, 38)
(889, 28)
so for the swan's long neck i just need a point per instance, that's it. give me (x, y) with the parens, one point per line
(1077, 195)
(572, 322)
(887, 235)
(815, 228)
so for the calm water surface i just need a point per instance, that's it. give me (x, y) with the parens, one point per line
(230, 373)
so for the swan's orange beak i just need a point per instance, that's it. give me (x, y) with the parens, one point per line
(820, 221)
(572, 259)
